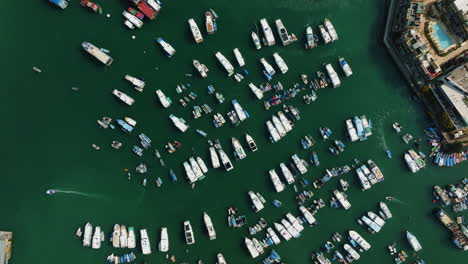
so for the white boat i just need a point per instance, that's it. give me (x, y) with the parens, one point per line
(239, 57)
(331, 30)
(133, 19)
(271, 233)
(345, 67)
(201, 68)
(241, 113)
(413, 241)
(135, 81)
(363, 180)
(226, 64)
(145, 242)
(295, 222)
(168, 49)
(130, 121)
(238, 149)
(209, 226)
(179, 123)
(283, 232)
(275, 137)
(251, 248)
(96, 244)
(257, 204)
(368, 174)
(351, 252)
(376, 218)
(342, 199)
(256, 41)
(333, 76)
(268, 68)
(189, 238)
(280, 63)
(131, 241)
(115, 236)
(307, 215)
(221, 259)
(258, 246)
(195, 31)
(154, 4)
(279, 126)
(225, 160)
(279, 186)
(196, 169)
(209, 23)
(97, 53)
(358, 238)
(310, 38)
(123, 97)
(351, 130)
(412, 165)
(255, 90)
(287, 173)
(326, 37)
(290, 228)
(163, 99)
(202, 164)
(88, 235)
(373, 226)
(285, 121)
(299, 164)
(214, 158)
(164, 242)
(190, 174)
(251, 142)
(283, 33)
(123, 237)
(267, 33)
(129, 24)
(385, 210)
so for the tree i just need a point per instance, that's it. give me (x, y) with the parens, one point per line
(454, 148)
(446, 122)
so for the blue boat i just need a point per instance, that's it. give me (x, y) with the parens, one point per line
(202, 133)
(315, 159)
(245, 72)
(211, 89)
(137, 150)
(173, 176)
(277, 203)
(60, 3)
(145, 138)
(389, 153)
(360, 129)
(125, 126)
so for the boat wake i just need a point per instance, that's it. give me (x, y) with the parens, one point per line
(89, 195)
(393, 199)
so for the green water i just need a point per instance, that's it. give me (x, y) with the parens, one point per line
(48, 131)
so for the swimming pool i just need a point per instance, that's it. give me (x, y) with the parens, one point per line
(441, 36)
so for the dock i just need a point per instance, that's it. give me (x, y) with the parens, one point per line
(5, 246)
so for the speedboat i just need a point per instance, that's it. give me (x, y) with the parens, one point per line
(51, 191)
(164, 243)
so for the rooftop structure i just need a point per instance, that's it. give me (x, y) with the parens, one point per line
(457, 100)
(459, 78)
(5, 246)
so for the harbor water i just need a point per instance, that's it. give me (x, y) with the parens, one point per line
(48, 129)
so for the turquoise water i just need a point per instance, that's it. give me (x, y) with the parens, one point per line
(442, 37)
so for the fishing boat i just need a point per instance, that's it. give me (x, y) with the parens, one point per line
(280, 63)
(225, 63)
(331, 30)
(190, 174)
(279, 186)
(131, 241)
(179, 123)
(144, 7)
(96, 242)
(163, 99)
(145, 242)
(195, 31)
(325, 35)
(239, 152)
(168, 49)
(201, 68)
(91, 6)
(136, 13)
(274, 135)
(225, 160)
(209, 23)
(124, 125)
(123, 97)
(285, 38)
(413, 241)
(269, 38)
(310, 43)
(239, 57)
(164, 242)
(345, 67)
(189, 238)
(97, 53)
(116, 236)
(307, 215)
(251, 142)
(333, 76)
(256, 91)
(214, 158)
(256, 41)
(132, 19)
(251, 248)
(209, 226)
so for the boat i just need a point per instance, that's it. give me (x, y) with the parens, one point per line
(279, 186)
(344, 185)
(331, 30)
(397, 127)
(411, 163)
(354, 255)
(88, 235)
(239, 152)
(251, 142)
(325, 35)
(239, 57)
(376, 219)
(366, 126)
(333, 76)
(131, 241)
(285, 121)
(352, 133)
(123, 97)
(214, 158)
(51, 191)
(97, 53)
(371, 224)
(291, 230)
(155, 4)
(283, 33)
(275, 137)
(130, 121)
(91, 6)
(195, 31)
(221, 259)
(257, 204)
(163, 99)
(241, 113)
(138, 151)
(385, 210)
(280, 63)
(271, 234)
(283, 232)
(341, 198)
(145, 8)
(279, 126)
(256, 91)
(172, 175)
(225, 63)
(145, 242)
(96, 242)
(299, 163)
(37, 69)
(345, 67)
(189, 238)
(196, 168)
(363, 179)
(256, 41)
(136, 13)
(132, 19)
(168, 49)
(413, 241)
(287, 173)
(164, 242)
(190, 174)
(389, 153)
(209, 23)
(209, 226)
(201, 68)
(179, 123)
(225, 160)
(123, 237)
(269, 39)
(375, 170)
(60, 3)
(202, 164)
(201, 133)
(309, 217)
(251, 248)
(315, 159)
(295, 222)
(116, 236)
(310, 38)
(268, 68)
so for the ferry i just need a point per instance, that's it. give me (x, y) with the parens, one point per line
(123, 97)
(287, 173)
(201, 68)
(269, 39)
(307, 215)
(290, 228)
(91, 6)
(239, 57)
(179, 123)
(136, 82)
(225, 160)
(283, 33)
(132, 19)
(164, 242)
(115, 236)
(331, 30)
(299, 163)
(131, 241)
(279, 126)
(413, 241)
(385, 210)
(241, 113)
(285, 121)
(354, 255)
(257, 204)
(411, 163)
(196, 168)
(96, 242)
(209, 23)
(275, 137)
(280, 62)
(341, 198)
(209, 226)
(295, 222)
(221, 259)
(310, 38)
(256, 91)
(326, 37)
(125, 126)
(283, 232)
(251, 143)
(145, 242)
(189, 238)
(271, 234)
(214, 158)
(60, 3)
(251, 248)
(195, 31)
(333, 76)
(168, 49)
(268, 68)
(226, 64)
(202, 164)
(239, 152)
(279, 186)
(363, 180)
(97, 53)
(190, 174)
(256, 41)
(345, 67)
(163, 99)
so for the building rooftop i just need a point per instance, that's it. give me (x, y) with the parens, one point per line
(459, 77)
(456, 99)
(462, 5)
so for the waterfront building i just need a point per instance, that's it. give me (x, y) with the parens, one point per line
(5, 246)
(455, 16)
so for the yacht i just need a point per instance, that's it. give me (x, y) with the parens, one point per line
(250, 246)
(285, 121)
(351, 251)
(271, 233)
(307, 215)
(132, 19)
(239, 57)
(239, 152)
(225, 160)
(196, 168)
(189, 238)
(226, 64)
(275, 137)
(164, 242)
(376, 218)
(299, 164)
(241, 113)
(257, 204)
(179, 123)
(280, 63)
(209, 226)
(342, 199)
(325, 35)
(413, 241)
(358, 238)
(195, 31)
(256, 41)
(201, 68)
(279, 126)
(345, 67)
(123, 237)
(331, 30)
(279, 186)
(385, 210)
(123, 97)
(290, 228)
(251, 142)
(131, 241)
(190, 174)
(283, 232)
(165, 101)
(287, 173)
(168, 49)
(333, 76)
(295, 222)
(256, 91)
(269, 39)
(88, 235)
(286, 39)
(96, 243)
(310, 38)
(214, 158)
(145, 242)
(202, 164)
(221, 259)
(268, 68)
(116, 236)
(135, 81)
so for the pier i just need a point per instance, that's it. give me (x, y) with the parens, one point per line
(5, 246)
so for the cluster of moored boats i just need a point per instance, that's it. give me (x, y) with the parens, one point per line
(369, 175)
(375, 222)
(414, 161)
(453, 194)
(359, 128)
(279, 126)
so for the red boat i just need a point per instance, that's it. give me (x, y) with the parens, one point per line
(136, 13)
(93, 6)
(145, 8)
